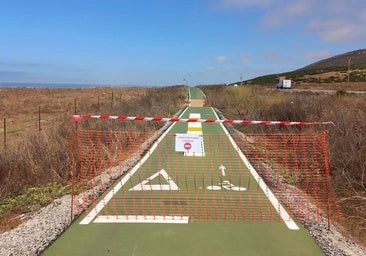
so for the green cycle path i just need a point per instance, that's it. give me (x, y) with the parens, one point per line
(198, 236)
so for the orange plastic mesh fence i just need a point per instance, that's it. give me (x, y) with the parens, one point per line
(216, 186)
(295, 167)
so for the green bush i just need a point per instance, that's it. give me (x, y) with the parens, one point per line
(341, 93)
(32, 199)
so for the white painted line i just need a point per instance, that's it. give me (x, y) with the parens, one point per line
(213, 187)
(195, 127)
(146, 186)
(142, 219)
(195, 124)
(194, 115)
(222, 168)
(290, 223)
(95, 211)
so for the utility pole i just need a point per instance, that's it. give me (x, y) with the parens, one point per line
(349, 65)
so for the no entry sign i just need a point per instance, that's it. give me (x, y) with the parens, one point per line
(187, 146)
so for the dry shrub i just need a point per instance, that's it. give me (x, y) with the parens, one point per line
(156, 102)
(352, 86)
(347, 147)
(346, 139)
(42, 157)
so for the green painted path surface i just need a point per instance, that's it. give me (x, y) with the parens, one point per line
(195, 93)
(198, 237)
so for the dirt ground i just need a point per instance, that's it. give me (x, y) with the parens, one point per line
(197, 103)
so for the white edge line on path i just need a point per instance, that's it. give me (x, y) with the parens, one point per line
(95, 211)
(142, 219)
(290, 223)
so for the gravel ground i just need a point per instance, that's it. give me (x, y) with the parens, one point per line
(38, 230)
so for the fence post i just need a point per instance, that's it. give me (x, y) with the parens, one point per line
(76, 123)
(75, 106)
(39, 118)
(327, 171)
(98, 104)
(4, 133)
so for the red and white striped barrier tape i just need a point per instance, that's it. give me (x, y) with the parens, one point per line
(77, 118)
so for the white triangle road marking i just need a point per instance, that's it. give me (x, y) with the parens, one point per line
(145, 184)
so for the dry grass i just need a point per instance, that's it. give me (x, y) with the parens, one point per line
(333, 86)
(346, 140)
(34, 147)
(34, 157)
(29, 109)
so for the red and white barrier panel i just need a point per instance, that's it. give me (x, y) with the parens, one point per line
(77, 118)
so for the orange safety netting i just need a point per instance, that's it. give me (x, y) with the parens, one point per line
(217, 186)
(295, 167)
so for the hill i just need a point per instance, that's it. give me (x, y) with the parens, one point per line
(342, 68)
(357, 57)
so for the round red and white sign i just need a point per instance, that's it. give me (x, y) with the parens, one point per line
(187, 146)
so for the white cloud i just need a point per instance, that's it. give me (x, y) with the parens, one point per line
(363, 15)
(244, 3)
(278, 58)
(271, 55)
(330, 20)
(298, 8)
(210, 68)
(336, 30)
(221, 59)
(287, 13)
(340, 7)
(244, 58)
(315, 55)
(340, 21)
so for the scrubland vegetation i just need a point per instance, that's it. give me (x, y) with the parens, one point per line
(348, 70)
(346, 139)
(35, 162)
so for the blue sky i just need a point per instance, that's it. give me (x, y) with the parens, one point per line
(163, 42)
